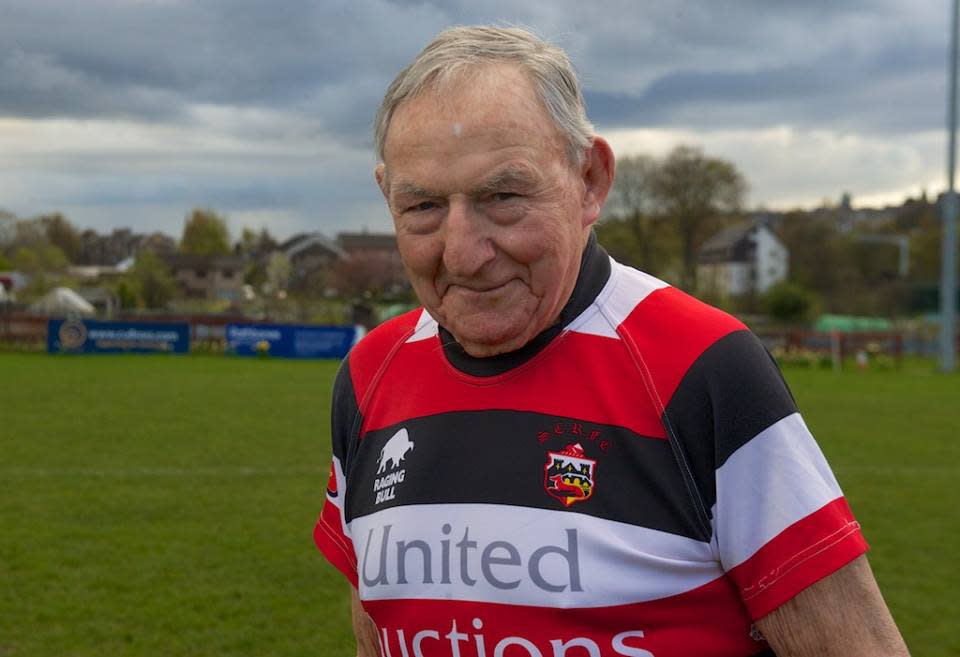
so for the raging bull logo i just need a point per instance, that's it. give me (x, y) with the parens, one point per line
(569, 475)
(388, 474)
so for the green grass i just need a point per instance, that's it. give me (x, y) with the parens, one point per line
(893, 439)
(164, 505)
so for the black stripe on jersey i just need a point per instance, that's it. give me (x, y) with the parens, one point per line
(500, 457)
(344, 415)
(732, 392)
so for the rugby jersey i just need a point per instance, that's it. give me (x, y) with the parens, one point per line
(635, 481)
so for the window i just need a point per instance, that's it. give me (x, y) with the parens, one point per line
(228, 273)
(201, 273)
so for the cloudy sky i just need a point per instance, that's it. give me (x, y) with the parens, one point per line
(131, 112)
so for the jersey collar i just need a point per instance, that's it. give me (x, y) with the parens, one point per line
(593, 275)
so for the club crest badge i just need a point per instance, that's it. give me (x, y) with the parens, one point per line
(569, 475)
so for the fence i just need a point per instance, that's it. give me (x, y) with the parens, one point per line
(833, 349)
(208, 333)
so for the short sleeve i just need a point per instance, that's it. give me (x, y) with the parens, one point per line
(331, 533)
(779, 520)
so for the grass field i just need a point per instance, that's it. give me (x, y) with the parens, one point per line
(164, 506)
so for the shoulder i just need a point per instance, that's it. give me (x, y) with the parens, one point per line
(645, 305)
(667, 329)
(369, 355)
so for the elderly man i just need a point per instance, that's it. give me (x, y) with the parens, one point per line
(559, 455)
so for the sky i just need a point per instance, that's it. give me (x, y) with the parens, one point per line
(128, 113)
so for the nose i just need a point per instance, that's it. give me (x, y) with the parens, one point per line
(467, 245)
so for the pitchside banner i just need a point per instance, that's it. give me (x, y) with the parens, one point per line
(290, 341)
(88, 336)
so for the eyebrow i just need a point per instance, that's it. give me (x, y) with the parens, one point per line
(506, 177)
(409, 189)
(509, 176)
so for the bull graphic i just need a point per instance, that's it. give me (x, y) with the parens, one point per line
(394, 451)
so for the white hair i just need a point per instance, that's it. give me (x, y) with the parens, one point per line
(459, 49)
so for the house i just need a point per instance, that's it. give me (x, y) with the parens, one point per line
(208, 277)
(309, 253)
(746, 258)
(374, 257)
(369, 243)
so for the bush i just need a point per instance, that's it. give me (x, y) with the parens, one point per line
(788, 302)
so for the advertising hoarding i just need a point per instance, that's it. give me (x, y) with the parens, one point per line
(89, 336)
(289, 341)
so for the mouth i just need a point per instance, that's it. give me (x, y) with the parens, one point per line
(475, 288)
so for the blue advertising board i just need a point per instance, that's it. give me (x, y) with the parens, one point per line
(290, 341)
(87, 336)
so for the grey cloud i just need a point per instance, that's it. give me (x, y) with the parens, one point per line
(840, 88)
(332, 60)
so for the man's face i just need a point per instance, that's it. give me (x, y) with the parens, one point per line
(491, 217)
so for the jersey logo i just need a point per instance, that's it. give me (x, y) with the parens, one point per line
(385, 485)
(569, 475)
(394, 451)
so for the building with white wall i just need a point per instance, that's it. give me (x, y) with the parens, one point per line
(743, 259)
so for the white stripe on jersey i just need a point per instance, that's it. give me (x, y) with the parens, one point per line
(625, 289)
(553, 558)
(426, 328)
(341, 492)
(771, 482)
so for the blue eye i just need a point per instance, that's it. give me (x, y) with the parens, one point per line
(504, 196)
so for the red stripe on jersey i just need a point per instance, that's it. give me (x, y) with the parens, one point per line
(332, 481)
(370, 354)
(800, 555)
(614, 395)
(708, 622)
(670, 329)
(335, 546)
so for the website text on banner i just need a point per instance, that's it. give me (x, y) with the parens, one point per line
(89, 336)
(290, 341)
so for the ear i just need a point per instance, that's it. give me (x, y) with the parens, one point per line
(596, 172)
(380, 173)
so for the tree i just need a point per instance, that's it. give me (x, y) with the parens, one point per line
(788, 302)
(926, 248)
(61, 233)
(159, 243)
(694, 191)
(372, 273)
(821, 260)
(247, 244)
(205, 233)
(277, 273)
(634, 206)
(151, 279)
(39, 259)
(44, 263)
(29, 233)
(253, 244)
